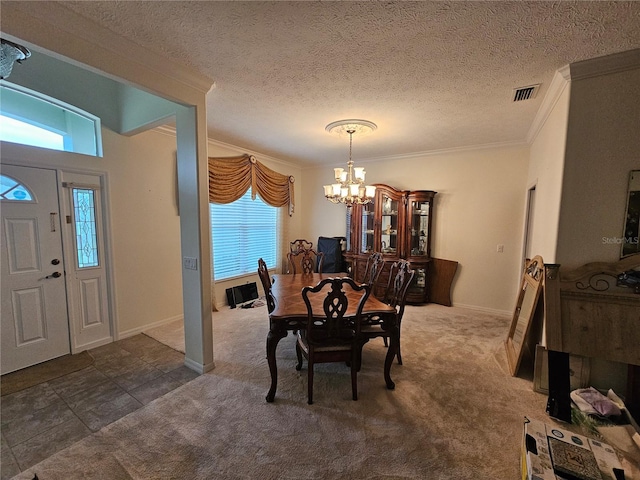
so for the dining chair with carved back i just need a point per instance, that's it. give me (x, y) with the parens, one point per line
(263, 273)
(299, 245)
(400, 278)
(375, 264)
(332, 333)
(305, 261)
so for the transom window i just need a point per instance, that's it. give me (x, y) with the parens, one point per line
(17, 131)
(31, 118)
(241, 233)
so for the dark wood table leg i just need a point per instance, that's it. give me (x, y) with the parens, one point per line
(273, 337)
(391, 354)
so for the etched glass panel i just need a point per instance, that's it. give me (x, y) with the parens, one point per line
(12, 190)
(84, 214)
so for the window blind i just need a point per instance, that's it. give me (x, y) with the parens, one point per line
(242, 232)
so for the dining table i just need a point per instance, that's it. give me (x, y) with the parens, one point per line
(290, 314)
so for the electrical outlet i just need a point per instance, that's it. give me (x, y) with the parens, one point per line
(500, 248)
(190, 263)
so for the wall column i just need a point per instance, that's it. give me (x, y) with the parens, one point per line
(193, 195)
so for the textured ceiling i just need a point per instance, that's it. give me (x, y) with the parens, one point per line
(431, 75)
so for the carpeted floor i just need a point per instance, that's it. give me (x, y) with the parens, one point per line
(456, 413)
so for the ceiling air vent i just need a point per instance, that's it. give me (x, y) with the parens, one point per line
(525, 93)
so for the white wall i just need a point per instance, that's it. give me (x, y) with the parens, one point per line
(480, 204)
(145, 227)
(545, 173)
(581, 160)
(603, 145)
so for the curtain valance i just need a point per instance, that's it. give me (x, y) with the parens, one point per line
(231, 177)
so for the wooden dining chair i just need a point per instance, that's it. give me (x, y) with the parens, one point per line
(331, 335)
(299, 245)
(400, 277)
(375, 264)
(263, 273)
(305, 261)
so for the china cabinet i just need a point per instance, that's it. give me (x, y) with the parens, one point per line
(398, 224)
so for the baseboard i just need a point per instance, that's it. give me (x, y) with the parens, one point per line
(220, 306)
(198, 367)
(137, 330)
(492, 311)
(91, 345)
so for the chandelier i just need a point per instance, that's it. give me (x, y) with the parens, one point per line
(9, 53)
(349, 187)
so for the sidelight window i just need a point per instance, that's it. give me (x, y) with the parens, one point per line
(84, 216)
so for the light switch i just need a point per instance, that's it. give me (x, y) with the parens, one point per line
(190, 263)
(500, 248)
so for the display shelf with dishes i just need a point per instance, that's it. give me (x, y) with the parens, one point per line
(397, 223)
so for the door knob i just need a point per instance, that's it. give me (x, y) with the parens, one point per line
(54, 275)
(55, 261)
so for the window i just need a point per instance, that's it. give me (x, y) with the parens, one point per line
(17, 131)
(30, 118)
(84, 216)
(12, 190)
(241, 233)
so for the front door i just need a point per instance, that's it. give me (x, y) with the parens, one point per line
(34, 317)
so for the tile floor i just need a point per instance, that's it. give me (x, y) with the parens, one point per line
(39, 421)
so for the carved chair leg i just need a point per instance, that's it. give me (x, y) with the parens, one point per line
(299, 355)
(399, 354)
(310, 382)
(359, 354)
(354, 374)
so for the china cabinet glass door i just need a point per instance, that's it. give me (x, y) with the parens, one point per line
(366, 228)
(398, 225)
(419, 236)
(389, 225)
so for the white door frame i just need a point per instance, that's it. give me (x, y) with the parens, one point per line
(528, 222)
(101, 177)
(87, 288)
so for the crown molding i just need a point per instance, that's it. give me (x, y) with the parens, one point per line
(608, 64)
(171, 131)
(444, 151)
(167, 130)
(561, 79)
(258, 155)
